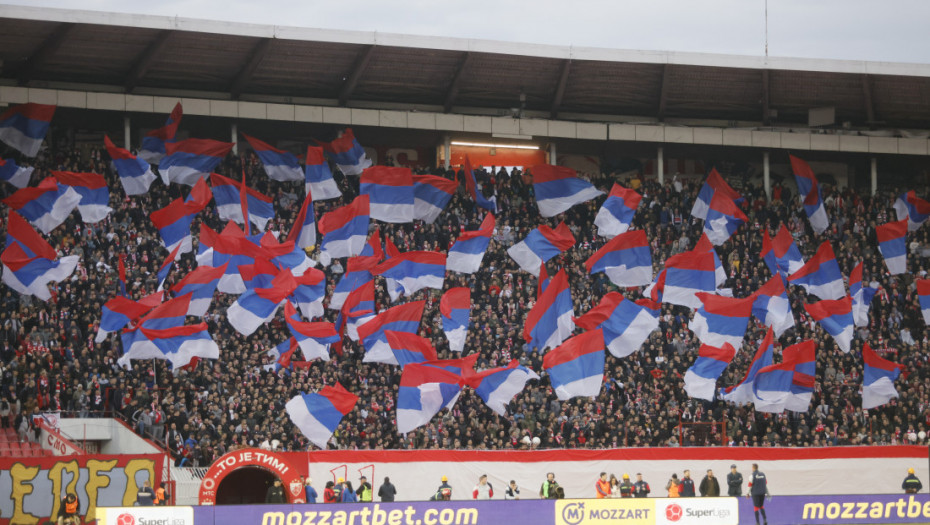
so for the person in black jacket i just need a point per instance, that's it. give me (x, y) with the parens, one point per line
(387, 491)
(686, 490)
(734, 482)
(275, 493)
(710, 487)
(758, 489)
(911, 484)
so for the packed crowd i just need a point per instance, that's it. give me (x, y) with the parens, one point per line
(50, 362)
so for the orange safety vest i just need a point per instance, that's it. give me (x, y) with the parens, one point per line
(71, 507)
(602, 488)
(159, 496)
(673, 490)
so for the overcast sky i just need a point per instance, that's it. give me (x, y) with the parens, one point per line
(888, 30)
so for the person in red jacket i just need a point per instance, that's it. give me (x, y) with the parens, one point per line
(329, 495)
(483, 490)
(602, 486)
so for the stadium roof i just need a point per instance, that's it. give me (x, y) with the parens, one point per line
(43, 47)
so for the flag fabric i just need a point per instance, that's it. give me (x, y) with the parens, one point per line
(95, 195)
(117, 313)
(228, 195)
(626, 259)
(345, 229)
(318, 178)
(741, 393)
(280, 165)
(348, 154)
(303, 232)
(455, 311)
(134, 173)
(358, 272)
(821, 276)
(121, 272)
(283, 356)
(803, 176)
(180, 345)
(558, 188)
(878, 377)
(390, 193)
(772, 307)
(431, 195)
(540, 245)
(45, 206)
(721, 320)
(576, 367)
(318, 415)
(358, 309)
(802, 383)
(461, 366)
(625, 324)
(616, 214)
(498, 386)
(713, 185)
(723, 218)
(230, 246)
(153, 143)
(201, 283)
(549, 322)
(188, 160)
(174, 220)
(314, 338)
(809, 191)
(772, 386)
(402, 318)
(310, 292)
(861, 297)
(701, 377)
(911, 207)
(477, 195)
(466, 254)
(923, 294)
(424, 391)
(414, 271)
(23, 127)
(15, 175)
(410, 348)
(780, 253)
(256, 306)
(892, 243)
(835, 317)
(705, 246)
(166, 267)
(30, 262)
(687, 274)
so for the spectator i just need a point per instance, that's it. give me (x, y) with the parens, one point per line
(329, 494)
(513, 491)
(709, 485)
(309, 491)
(387, 491)
(734, 482)
(348, 494)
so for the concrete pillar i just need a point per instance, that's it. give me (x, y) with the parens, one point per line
(447, 151)
(126, 133)
(874, 175)
(234, 137)
(660, 166)
(766, 176)
(553, 157)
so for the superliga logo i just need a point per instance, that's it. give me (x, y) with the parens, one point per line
(125, 519)
(673, 512)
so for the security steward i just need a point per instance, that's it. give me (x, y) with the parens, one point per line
(68, 512)
(626, 488)
(911, 484)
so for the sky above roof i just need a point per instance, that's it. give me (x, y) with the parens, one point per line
(891, 30)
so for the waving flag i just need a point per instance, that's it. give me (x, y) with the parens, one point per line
(424, 391)
(911, 207)
(279, 164)
(497, 386)
(121, 270)
(878, 377)
(821, 275)
(45, 206)
(835, 317)
(454, 309)
(201, 283)
(861, 297)
(161, 334)
(462, 366)
(780, 254)
(310, 292)
(540, 245)
(558, 188)
(283, 355)
(257, 306)
(686, 274)
(802, 382)
(303, 232)
(471, 186)
(410, 348)
(318, 415)
(259, 274)
(616, 214)
(358, 309)
(431, 195)
(803, 176)
(135, 174)
(626, 259)
(576, 368)
(14, 174)
(810, 194)
(192, 159)
(314, 338)
(153, 143)
(117, 313)
(227, 193)
(923, 293)
(712, 186)
(742, 393)
(892, 242)
(30, 262)
(549, 322)
(166, 267)
(358, 272)
(772, 387)
(466, 254)
(24, 127)
(318, 179)
(348, 154)
(723, 218)
(345, 229)
(705, 246)
(231, 246)
(625, 324)
(401, 318)
(390, 193)
(414, 271)
(721, 320)
(701, 377)
(95, 196)
(174, 220)
(772, 307)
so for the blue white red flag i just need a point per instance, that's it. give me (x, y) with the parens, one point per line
(121, 269)
(174, 220)
(625, 324)
(161, 334)
(318, 415)
(688, 273)
(95, 195)
(231, 246)
(821, 275)
(135, 174)
(166, 267)
(318, 178)
(15, 175)
(802, 383)
(466, 254)
(191, 159)
(721, 320)
(228, 195)
(626, 259)
(911, 207)
(402, 318)
(803, 176)
(410, 348)
(431, 195)
(701, 377)
(345, 230)
(576, 368)
(358, 272)
(723, 218)
(30, 262)
(462, 366)
(835, 317)
(24, 127)
(303, 232)
(878, 377)
(861, 297)
(498, 386)
(540, 245)
(348, 154)
(201, 283)
(153, 143)
(923, 295)
(892, 243)
(549, 322)
(616, 214)
(741, 393)
(310, 292)
(358, 309)
(414, 271)
(772, 307)
(280, 165)
(713, 185)
(314, 338)
(117, 313)
(390, 193)
(772, 387)
(780, 253)
(558, 188)
(809, 191)
(424, 391)
(45, 206)
(455, 310)
(477, 194)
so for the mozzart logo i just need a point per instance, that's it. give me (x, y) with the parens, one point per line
(627, 511)
(899, 508)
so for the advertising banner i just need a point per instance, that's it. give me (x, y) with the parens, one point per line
(648, 511)
(847, 509)
(145, 516)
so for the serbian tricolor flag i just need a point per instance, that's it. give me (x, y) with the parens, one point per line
(626, 259)
(45, 206)
(280, 165)
(616, 214)
(772, 386)
(192, 159)
(540, 245)
(201, 283)
(228, 195)
(357, 273)
(413, 271)
(576, 368)
(713, 185)
(721, 320)
(772, 307)
(303, 232)
(153, 143)
(809, 191)
(358, 309)
(498, 386)
(232, 246)
(257, 306)
(780, 253)
(463, 366)
(161, 334)
(803, 176)
(174, 220)
(318, 415)
(701, 378)
(911, 207)
(878, 377)
(410, 348)
(466, 254)
(135, 174)
(318, 178)
(686, 274)
(558, 188)
(401, 318)
(741, 393)
(821, 275)
(283, 356)
(121, 269)
(923, 294)
(95, 196)
(723, 218)
(314, 338)
(390, 193)
(549, 322)
(471, 185)
(15, 175)
(345, 229)
(861, 297)
(431, 195)
(625, 324)
(424, 391)
(348, 154)
(835, 317)
(167, 266)
(705, 246)
(117, 313)
(802, 383)
(310, 292)
(892, 242)
(454, 309)
(24, 127)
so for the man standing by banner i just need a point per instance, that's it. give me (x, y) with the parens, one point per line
(734, 482)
